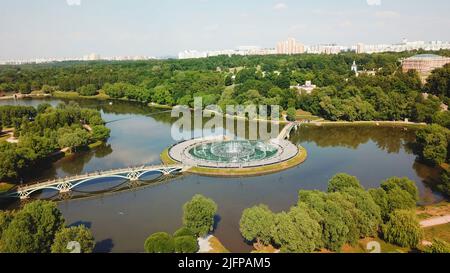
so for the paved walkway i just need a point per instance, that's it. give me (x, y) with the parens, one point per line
(204, 244)
(435, 221)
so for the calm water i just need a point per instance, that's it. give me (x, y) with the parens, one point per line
(121, 221)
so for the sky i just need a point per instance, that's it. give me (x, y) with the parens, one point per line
(73, 28)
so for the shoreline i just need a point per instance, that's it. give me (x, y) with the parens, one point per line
(103, 97)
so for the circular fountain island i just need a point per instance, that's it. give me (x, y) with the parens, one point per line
(222, 157)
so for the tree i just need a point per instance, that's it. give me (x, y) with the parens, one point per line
(73, 139)
(79, 234)
(186, 244)
(198, 215)
(402, 183)
(444, 187)
(433, 144)
(43, 107)
(291, 114)
(183, 232)
(342, 181)
(160, 242)
(368, 213)
(47, 89)
(5, 219)
(297, 231)
(438, 246)
(19, 236)
(403, 229)
(25, 88)
(380, 197)
(47, 221)
(256, 224)
(100, 133)
(442, 118)
(398, 199)
(337, 226)
(88, 90)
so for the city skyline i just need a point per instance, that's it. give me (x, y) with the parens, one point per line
(74, 28)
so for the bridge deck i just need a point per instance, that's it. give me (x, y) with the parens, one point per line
(98, 174)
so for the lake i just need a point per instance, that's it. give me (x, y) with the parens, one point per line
(122, 219)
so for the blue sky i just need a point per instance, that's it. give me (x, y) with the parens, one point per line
(65, 28)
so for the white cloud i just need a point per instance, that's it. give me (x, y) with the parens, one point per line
(73, 2)
(374, 2)
(280, 6)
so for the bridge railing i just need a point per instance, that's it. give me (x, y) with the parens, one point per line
(98, 174)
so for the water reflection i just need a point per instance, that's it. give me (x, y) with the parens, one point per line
(121, 220)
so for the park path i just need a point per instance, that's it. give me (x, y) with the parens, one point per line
(435, 221)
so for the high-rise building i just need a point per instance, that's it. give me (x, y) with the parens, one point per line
(360, 48)
(290, 47)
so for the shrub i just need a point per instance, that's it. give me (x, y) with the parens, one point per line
(184, 231)
(297, 231)
(186, 244)
(79, 234)
(257, 224)
(438, 246)
(160, 242)
(198, 215)
(398, 199)
(403, 229)
(342, 181)
(402, 183)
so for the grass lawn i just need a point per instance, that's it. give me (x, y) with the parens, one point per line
(361, 247)
(299, 159)
(166, 159)
(441, 232)
(217, 246)
(3, 137)
(4, 187)
(74, 95)
(436, 210)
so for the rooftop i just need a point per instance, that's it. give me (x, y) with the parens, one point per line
(425, 57)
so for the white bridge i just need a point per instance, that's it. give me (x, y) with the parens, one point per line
(286, 132)
(64, 185)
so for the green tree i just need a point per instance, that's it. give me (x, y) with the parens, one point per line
(297, 231)
(19, 236)
(198, 215)
(160, 242)
(47, 221)
(5, 219)
(342, 181)
(87, 90)
(442, 118)
(398, 199)
(402, 183)
(186, 244)
(73, 139)
(256, 224)
(403, 229)
(438, 246)
(433, 144)
(100, 133)
(291, 114)
(337, 226)
(368, 213)
(380, 197)
(182, 232)
(79, 234)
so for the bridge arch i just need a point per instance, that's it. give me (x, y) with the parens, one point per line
(30, 192)
(95, 178)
